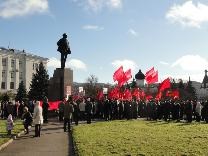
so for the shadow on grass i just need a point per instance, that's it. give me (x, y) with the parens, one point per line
(4, 135)
(157, 123)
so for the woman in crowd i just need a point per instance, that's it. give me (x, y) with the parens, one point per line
(27, 117)
(37, 118)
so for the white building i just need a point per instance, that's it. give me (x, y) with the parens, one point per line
(17, 66)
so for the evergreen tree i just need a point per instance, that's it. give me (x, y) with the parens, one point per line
(133, 84)
(39, 84)
(21, 93)
(5, 97)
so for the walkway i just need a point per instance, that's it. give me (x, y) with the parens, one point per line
(53, 142)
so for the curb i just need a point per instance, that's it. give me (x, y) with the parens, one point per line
(11, 140)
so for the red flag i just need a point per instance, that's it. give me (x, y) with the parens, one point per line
(121, 82)
(176, 94)
(127, 94)
(135, 93)
(100, 95)
(148, 97)
(53, 105)
(152, 78)
(173, 94)
(126, 76)
(142, 94)
(114, 93)
(164, 85)
(150, 72)
(159, 95)
(118, 74)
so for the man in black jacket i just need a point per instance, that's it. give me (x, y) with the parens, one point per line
(88, 110)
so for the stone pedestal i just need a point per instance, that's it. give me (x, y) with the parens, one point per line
(60, 85)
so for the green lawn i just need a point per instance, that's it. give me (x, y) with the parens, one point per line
(3, 133)
(138, 137)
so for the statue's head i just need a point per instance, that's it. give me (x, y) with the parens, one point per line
(64, 35)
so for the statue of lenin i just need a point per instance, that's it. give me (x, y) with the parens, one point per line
(64, 49)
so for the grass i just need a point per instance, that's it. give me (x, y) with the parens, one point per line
(138, 137)
(3, 133)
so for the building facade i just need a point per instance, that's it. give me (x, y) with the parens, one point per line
(17, 66)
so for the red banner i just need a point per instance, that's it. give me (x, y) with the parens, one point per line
(164, 85)
(52, 105)
(118, 74)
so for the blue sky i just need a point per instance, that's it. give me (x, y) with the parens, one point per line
(171, 35)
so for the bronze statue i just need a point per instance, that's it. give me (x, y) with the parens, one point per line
(64, 49)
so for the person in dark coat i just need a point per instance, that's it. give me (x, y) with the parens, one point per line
(88, 109)
(182, 108)
(107, 110)
(21, 109)
(128, 110)
(135, 109)
(27, 120)
(45, 109)
(120, 109)
(205, 111)
(177, 111)
(10, 108)
(61, 110)
(68, 110)
(76, 113)
(189, 110)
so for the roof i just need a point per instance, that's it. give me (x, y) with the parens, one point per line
(140, 75)
(20, 52)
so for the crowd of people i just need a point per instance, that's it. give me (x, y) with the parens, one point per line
(88, 109)
(30, 113)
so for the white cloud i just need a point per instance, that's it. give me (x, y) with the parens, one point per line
(188, 14)
(92, 27)
(164, 63)
(185, 77)
(191, 63)
(71, 63)
(76, 64)
(132, 32)
(97, 5)
(126, 64)
(114, 3)
(54, 63)
(11, 8)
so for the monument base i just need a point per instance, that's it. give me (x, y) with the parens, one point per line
(60, 85)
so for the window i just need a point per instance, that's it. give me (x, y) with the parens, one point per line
(11, 85)
(3, 85)
(33, 66)
(3, 61)
(20, 63)
(12, 74)
(36, 66)
(3, 73)
(20, 75)
(12, 63)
